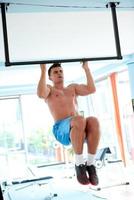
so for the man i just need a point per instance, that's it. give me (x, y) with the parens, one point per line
(70, 127)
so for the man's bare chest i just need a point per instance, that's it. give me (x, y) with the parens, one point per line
(66, 93)
(62, 94)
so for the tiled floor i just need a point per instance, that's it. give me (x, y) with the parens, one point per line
(64, 184)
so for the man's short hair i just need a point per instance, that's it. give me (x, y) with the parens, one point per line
(53, 66)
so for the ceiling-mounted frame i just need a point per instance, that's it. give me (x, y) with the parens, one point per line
(112, 5)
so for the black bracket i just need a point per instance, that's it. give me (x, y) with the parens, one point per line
(112, 4)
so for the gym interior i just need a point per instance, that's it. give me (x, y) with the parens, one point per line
(33, 165)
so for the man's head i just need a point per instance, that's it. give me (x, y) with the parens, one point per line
(52, 67)
(55, 72)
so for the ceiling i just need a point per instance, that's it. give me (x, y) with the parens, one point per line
(63, 5)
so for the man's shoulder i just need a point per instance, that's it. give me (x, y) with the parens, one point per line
(72, 85)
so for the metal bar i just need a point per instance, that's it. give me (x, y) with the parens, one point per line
(57, 6)
(1, 193)
(32, 180)
(115, 26)
(67, 6)
(5, 35)
(61, 61)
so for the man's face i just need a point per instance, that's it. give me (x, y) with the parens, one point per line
(56, 75)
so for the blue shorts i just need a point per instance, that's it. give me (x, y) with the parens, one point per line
(61, 131)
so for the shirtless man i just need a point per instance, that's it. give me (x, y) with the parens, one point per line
(70, 127)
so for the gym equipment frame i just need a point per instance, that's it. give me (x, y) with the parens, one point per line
(112, 5)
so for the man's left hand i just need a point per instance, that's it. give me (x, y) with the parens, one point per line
(85, 65)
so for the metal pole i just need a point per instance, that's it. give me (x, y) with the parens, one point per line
(115, 26)
(5, 35)
(61, 61)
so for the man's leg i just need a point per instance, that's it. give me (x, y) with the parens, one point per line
(93, 137)
(77, 136)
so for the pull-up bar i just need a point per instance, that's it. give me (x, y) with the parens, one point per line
(112, 5)
(62, 60)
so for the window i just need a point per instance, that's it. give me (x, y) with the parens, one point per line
(11, 136)
(101, 105)
(126, 112)
(39, 139)
(26, 136)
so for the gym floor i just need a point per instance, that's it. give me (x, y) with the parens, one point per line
(116, 182)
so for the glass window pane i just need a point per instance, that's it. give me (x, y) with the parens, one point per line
(101, 105)
(42, 147)
(11, 136)
(126, 112)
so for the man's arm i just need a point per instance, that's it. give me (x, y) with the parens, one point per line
(89, 87)
(43, 90)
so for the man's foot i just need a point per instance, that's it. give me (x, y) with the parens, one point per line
(81, 174)
(93, 178)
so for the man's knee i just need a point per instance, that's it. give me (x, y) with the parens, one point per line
(92, 123)
(78, 122)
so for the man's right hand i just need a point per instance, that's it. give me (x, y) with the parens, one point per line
(43, 67)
